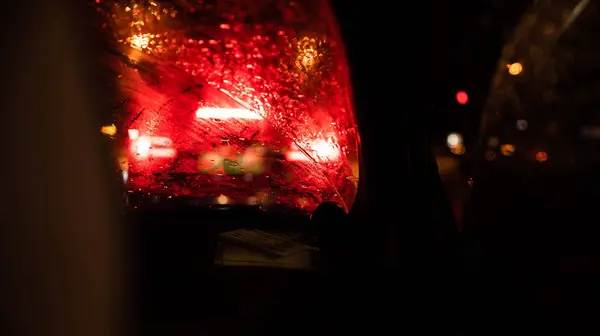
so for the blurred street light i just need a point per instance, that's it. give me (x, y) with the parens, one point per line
(515, 68)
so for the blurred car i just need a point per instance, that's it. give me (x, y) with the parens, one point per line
(229, 105)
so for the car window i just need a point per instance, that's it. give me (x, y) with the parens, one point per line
(543, 107)
(230, 102)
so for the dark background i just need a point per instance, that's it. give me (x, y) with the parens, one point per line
(468, 37)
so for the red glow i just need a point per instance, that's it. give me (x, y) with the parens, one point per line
(319, 150)
(226, 113)
(297, 156)
(253, 105)
(462, 97)
(142, 146)
(162, 152)
(156, 147)
(325, 150)
(133, 134)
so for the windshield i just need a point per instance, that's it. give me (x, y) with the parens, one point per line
(231, 102)
(542, 110)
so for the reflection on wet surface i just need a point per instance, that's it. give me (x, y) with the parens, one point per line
(233, 100)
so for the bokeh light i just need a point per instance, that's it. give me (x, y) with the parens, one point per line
(515, 68)
(507, 149)
(541, 156)
(454, 139)
(462, 97)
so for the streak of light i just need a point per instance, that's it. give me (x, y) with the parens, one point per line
(579, 8)
(226, 113)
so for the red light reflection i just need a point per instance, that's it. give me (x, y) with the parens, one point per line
(319, 150)
(226, 113)
(133, 134)
(142, 146)
(252, 105)
(156, 147)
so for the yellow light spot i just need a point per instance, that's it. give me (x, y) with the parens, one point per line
(507, 149)
(140, 41)
(515, 68)
(308, 53)
(109, 130)
(222, 199)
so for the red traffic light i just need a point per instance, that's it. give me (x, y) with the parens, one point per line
(462, 97)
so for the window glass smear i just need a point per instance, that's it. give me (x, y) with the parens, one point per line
(230, 102)
(543, 106)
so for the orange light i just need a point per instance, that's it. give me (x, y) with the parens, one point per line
(226, 113)
(458, 149)
(222, 200)
(308, 53)
(139, 42)
(462, 97)
(515, 68)
(541, 156)
(507, 149)
(109, 130)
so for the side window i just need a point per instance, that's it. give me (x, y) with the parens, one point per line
(543, 107)
(239, 102)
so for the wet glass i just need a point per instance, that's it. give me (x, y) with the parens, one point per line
(230, 102)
